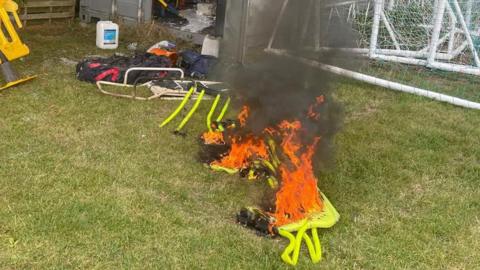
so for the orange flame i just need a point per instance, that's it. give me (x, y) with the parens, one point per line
(243, 115)
(298, 194)
(312, 114)
(213, 137)
(243, 151)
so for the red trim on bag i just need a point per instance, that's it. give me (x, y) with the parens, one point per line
(114, 72)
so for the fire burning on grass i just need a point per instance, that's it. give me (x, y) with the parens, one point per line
(298, 194)
(284, 132)
(282, 155)
(243, 150)
(213, 138)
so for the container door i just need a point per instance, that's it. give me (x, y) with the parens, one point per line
(129, 11)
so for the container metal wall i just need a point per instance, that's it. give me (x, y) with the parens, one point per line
(126, 10)
(129, 10)
(248, 23)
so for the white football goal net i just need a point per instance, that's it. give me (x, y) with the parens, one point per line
(425, 47)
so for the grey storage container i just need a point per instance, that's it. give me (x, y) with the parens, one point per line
(132, 10)
(129, 11)
(248, 24)
(94, 10)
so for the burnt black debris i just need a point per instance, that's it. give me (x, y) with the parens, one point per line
(256, 219)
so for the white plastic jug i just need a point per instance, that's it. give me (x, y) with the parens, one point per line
(107, 35)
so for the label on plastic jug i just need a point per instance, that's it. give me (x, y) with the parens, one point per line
(109, 37)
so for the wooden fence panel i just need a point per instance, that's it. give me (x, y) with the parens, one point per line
(47, 10)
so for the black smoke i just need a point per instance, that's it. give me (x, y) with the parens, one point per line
(277, 88)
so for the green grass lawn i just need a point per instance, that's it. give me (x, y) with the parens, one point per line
(90, 181)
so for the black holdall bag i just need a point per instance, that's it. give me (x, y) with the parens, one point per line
(113, 69)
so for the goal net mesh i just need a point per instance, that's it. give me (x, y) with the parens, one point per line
(429, 44)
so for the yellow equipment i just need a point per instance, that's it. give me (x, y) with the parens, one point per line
(325, 219)
(11, 47)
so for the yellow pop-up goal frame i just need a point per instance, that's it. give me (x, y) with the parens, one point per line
(325, 219)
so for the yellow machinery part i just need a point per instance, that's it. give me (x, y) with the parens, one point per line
(11, 46)
(17, 82)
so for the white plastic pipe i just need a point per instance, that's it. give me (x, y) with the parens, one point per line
(391, 4)
(344, 3)
(140, 11)
(453, 28)
(437, 27)
(318, 30)
(468, 13)
(404, 53)
(309, 12)
(179, 70)
(409, 57)
(402, 60)
(390, 31)
(459, 50)
(379, 82)
(440, 42)
(457, 68)
(114, 9)
(277, 23)
(375, 26)
(471, 70)
(461, 19)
